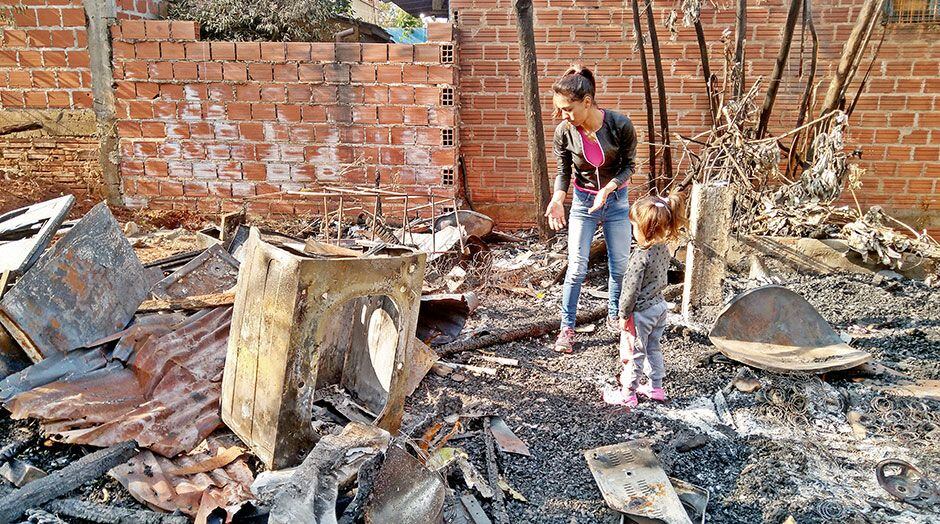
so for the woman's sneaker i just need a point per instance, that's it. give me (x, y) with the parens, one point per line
(652, 393)
(565, 341)
(613, 325)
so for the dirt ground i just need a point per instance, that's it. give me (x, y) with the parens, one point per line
(813, 470)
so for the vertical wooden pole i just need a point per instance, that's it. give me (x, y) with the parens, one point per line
(740, 30)
(661, 94)
(99, 14)
(647, 91)
(706, 70)
(528, 68)
(782, 55)
(849, 53)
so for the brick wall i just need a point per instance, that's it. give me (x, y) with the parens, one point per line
(137, 9)
(210, 124)
(896, 123)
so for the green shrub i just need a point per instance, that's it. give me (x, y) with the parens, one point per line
(265, 20)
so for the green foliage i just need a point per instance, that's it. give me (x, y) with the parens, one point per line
(394, 16)
(265, 20)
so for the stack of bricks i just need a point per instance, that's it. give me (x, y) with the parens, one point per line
(44, 56)
(207, 125)
(896, 123)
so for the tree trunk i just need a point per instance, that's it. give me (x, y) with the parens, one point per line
(849, 54)
(782, 55)
(533, 112)
(647, 92)
(706, 71)
(740, 28)
(661, 92)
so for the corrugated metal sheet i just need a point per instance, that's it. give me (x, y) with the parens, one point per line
(167, 398)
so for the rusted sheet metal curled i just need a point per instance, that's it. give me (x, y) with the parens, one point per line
(167, 398)
(905, 482)
(87, 286)
(632, 482)
(442, 317)
(776, 329)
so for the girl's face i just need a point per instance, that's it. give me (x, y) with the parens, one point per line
(574, 112)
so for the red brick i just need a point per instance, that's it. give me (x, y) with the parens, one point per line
(67, 38)
(389, 74)
(336, 73)
(428, 53)
(298, 51)
(78, 59)
(153, 129)
(69, 80)
(288, 113)
(223, 50)
(375, 94)
(260, 72)
(362, 73)
(390, 115)
(440, 75)
(234, 71)
(195, 188)
(177, 130)
(315, 114)
(22, 78)
(263, 111)
(210, 71)
(310, 72)
(147, 50)
(185, 71)
(416, 116)
(172, 50)
(197, 50)
(163, 110)
(254, 171)
(49, 17)
(238, 110)
(415, 74)
(59, 99)
(299, 93)
(248, 51)
(54, 59)
(81, 100)
(25, 58)
(440, 32)
(417, 156)
(14, 38)
(442, 116)
(153, 167)
(184, 30)
(201, 131)
(169, 188)
(348, 52)
(179, 169)
(39, 38)
(132, 168)
(123, 50)
(273, 51)
(161, 70)
(247, 93)
(167, 91)
(145, 187)
(402, 53)
(443, 157)
(375, 52)
(303, 132)
(285, 72)
(157, 29)
(273, 93)
(322, 52)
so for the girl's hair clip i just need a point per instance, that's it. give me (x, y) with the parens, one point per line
(659, 203)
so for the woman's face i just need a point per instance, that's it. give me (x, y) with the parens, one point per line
(574, 112)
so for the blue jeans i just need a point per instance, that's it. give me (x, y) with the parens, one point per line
(614, 217)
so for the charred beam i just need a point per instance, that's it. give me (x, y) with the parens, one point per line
(661, 94)
(647, 92)
(792, 12)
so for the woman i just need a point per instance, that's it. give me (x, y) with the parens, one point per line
(597, 147)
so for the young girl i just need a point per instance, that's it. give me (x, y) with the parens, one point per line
(643, 310)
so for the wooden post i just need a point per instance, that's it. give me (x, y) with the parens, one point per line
(849, 53)
(99, 14)
(647, 91)
(710, 227)
(706, 70)
(740, 28)
(661, 93)
(781, 62)
(528, 68)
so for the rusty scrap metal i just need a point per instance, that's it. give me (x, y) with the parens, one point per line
(87, 286)
(632, 482)
(60, 482)
(355, 318)
(507, 441)
(776, 329)
(92, 512)
(405, 492)
(441, 318)
(196, 483)
(166, 399)
(56, 367)
(905, 482)
(25, 232)
(214, 271)
(310, 494)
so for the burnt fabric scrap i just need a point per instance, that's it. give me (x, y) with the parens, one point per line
(166, 398)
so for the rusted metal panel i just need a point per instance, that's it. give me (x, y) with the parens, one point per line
(214, 271)
(87, 286)
(57, 367)
(632, 482)
(25, 232)
(405, 492)
(776, 329)
(167, 398)
(442, 317)
(302, 324)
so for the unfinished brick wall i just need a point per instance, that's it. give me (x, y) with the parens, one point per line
(207, 125)
(138, 9)
(896, 123)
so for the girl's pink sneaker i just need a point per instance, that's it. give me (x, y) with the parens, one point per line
(616, 397)
(652, 393)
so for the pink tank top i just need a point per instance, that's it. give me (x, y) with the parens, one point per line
(592, 149)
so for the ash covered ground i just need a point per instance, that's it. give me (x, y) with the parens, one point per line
(774, 463)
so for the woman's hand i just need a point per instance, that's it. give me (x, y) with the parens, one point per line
(600, 199)
(556, 213)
